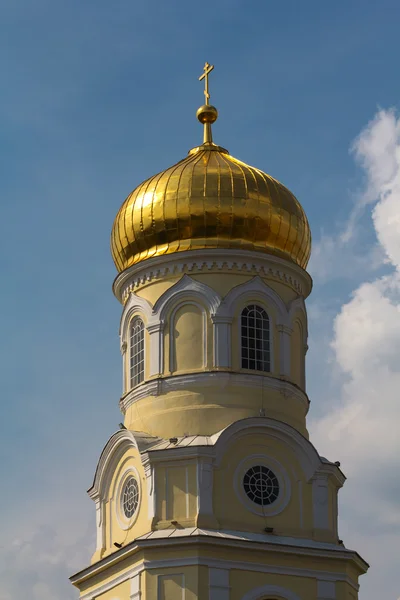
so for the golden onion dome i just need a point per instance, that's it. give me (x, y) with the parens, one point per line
(210, 200)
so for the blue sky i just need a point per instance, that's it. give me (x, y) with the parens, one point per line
(98, 96)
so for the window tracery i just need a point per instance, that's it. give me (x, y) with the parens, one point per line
(255, 339)
(136, 351)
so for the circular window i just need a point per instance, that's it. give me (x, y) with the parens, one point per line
(130, 497)
(261, 485)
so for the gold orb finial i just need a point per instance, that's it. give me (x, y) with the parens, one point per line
(207, 114)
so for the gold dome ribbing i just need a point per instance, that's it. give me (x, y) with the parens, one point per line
(210, 200)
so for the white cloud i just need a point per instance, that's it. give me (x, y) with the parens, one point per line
(362, 428)
(36, 560)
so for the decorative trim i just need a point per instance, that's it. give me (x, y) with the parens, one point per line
(155, 330)
(260, 301)
(189, 288)
(301, 510)
(164, 385)
(109, 585)
(123, 522)
(211, 563)
(100, 525)
(255, 289)
(205, 483)
(298, 304)
(270, 590)
(136, 592)
(304, 450)
(222, 327)
(118, 443)
(241, 261)
(137, 305)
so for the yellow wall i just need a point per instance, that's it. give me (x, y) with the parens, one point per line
(188, 347)
(177, 494)
(188, 330)
(130, 463)
(296, 519)
(166, 583)
(119, 592)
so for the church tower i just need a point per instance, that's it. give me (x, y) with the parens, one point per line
(211, 489)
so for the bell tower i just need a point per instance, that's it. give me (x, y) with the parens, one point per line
(211, 489)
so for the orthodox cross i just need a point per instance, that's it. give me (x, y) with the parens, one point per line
(207, 70)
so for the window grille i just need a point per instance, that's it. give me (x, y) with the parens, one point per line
(261, 485)
(255, 339)
(136, 352)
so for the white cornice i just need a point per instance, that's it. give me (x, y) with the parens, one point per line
(216, 538)
(165, 385)
(195, 261)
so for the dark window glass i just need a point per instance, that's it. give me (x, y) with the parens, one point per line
(255, 342)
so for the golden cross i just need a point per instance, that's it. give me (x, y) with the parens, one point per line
(207, 70)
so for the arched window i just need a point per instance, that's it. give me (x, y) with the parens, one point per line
(255, 341)
(136, 351)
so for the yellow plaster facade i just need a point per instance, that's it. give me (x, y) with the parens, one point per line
(211, 489)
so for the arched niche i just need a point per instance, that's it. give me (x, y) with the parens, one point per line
(187, 338)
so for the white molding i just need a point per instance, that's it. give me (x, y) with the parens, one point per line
(284, 350)
(279, 471)
(301, 509)
(306, 454)
(112, 452)
(134, 305)
(184, 290)
(205, 379)
(150, 487)
(212, 260)
(123, 522)
(112, 583)
(253, 290)
(100, 524)
(264, 305)
(135, 592)
(270, 590)
(222, 327)
(212, 563)
(205, 483)
(187, 491)
(155, 330)
(299, 304)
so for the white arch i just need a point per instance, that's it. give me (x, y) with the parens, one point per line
(254, 289)
(274, 591)
(299, 305)
(307, 455)
(189, 288)
(109, 458)
(135, 304)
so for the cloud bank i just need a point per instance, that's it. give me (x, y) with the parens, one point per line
(361, 429)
